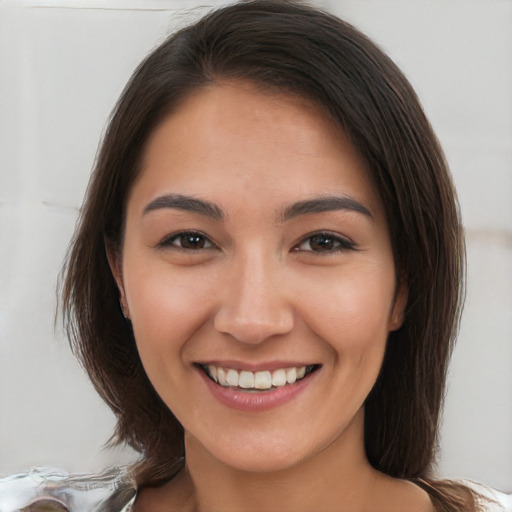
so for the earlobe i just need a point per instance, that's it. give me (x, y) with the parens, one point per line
(114, 262)
(397, 316)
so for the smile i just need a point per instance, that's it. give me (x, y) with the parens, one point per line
(265, 380)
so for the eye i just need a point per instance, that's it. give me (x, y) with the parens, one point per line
(324, 242)
(190, 240)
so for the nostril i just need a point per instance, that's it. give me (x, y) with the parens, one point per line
(254, 326)
(253, 332)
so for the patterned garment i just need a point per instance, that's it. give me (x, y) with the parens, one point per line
(50, 489)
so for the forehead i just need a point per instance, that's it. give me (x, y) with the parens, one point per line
(235, 135)
(238, 109)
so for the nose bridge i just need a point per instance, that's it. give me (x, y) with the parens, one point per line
(255, 305)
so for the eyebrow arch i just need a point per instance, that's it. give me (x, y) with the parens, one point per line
(188, 203)
(325, 204)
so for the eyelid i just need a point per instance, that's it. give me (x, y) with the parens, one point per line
(344, 242)
(167, 241)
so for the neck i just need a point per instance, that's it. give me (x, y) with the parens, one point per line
(337, 478)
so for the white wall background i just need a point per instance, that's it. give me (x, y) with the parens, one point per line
(63, 64)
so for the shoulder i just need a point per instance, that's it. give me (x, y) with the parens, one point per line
(114, 488)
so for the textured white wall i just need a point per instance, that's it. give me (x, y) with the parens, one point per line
(63, 65)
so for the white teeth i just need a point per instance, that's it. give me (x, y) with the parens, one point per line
(291, 375)
(212, 370)
(246, 380)
(232, 377)
(279, 378)
(221, 377)
(262, 380)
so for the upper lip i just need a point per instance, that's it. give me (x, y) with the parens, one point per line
(255, 367)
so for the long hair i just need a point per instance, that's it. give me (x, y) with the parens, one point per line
(286, 47)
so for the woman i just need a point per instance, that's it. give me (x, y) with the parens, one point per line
(267, 275)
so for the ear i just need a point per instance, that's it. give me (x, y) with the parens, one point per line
(115, 263)
(397, 316)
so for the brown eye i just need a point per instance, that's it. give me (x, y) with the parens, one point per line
(324, 242)
(188, 241)
(193, 241)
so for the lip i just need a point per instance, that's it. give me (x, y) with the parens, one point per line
(260, 400)
(255, 367)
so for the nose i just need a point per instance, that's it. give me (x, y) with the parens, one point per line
(254, 304)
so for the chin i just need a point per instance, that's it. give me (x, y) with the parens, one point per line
(258, 462)
(264, 455)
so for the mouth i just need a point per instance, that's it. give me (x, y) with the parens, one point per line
(259, 381)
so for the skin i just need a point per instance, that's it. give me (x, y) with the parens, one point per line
(257, 288)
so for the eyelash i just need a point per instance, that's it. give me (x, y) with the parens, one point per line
(169, 241)
(335, 243)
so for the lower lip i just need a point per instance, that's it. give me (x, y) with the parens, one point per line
(257, 401)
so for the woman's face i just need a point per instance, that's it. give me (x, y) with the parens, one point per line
(258, 274)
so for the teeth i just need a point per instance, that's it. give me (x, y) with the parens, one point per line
(246, 380)
(221, 377)
(232, 377)
(212, 370)
(279, 378)
(291, 375)
(263, 380)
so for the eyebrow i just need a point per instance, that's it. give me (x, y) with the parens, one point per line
(325, 204)
(209, 209)
(182, 202)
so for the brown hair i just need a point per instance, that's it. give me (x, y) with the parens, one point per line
(288, 47)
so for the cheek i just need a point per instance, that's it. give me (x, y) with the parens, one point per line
(352, 312)
(166, 306)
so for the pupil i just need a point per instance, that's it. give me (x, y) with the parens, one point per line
(321, 243)
(193, 242)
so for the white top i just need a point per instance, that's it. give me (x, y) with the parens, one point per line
(500, 502)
